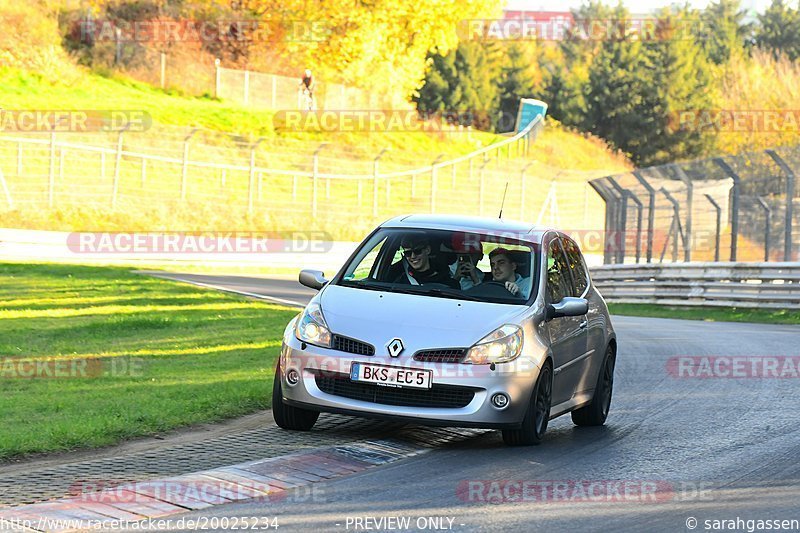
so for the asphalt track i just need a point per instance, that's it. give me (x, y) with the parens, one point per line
(677, 451)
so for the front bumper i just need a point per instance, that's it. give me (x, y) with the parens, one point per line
(515, 379)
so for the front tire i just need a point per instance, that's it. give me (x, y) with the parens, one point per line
(537, 415)
(596, 412)
(287, 416)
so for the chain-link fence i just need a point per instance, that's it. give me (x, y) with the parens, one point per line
(288, 183)
(738, 208)
(271, 91)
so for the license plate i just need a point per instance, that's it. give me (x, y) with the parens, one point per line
(391, 376)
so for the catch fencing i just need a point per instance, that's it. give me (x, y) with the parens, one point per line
(286, 181)
(739, 208)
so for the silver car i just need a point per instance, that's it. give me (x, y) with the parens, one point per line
(452, 321)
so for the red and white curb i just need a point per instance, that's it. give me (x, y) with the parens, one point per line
(268, 480)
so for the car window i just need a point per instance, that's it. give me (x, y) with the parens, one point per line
(445, 264)
(558, 277)
(364, 266)
(580, 279)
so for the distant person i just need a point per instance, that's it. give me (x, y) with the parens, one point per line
(504, 270)
(307, 87)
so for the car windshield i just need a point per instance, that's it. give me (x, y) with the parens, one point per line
(485, 267)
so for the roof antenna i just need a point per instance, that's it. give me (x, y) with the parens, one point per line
(504, 200)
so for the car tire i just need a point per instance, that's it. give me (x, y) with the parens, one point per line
(287, 416)
(537, 415)
(596, 412)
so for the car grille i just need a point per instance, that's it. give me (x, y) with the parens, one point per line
(345, 344)
(449, 355)
(437, 396)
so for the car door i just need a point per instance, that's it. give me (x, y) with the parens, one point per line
(567, 335)
(593, 322)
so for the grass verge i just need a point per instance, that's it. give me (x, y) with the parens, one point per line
(709, 314)
(137, 355)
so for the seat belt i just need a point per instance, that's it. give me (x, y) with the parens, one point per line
(411, 279)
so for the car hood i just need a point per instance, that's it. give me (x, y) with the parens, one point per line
(421, 322)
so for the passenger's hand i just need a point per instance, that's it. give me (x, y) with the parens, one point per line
(512, 287)
(468, 270)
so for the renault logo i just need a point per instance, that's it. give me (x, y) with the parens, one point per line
(395, 347)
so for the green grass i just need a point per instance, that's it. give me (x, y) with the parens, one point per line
(711, 314)
(199, 356)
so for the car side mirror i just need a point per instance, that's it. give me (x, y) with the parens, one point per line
(313, 279)
(568, 306)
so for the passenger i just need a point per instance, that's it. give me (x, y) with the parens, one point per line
(465, 271)
(504, 270)
(418, 269)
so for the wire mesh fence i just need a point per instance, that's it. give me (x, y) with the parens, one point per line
(738, 208)
(284, 181)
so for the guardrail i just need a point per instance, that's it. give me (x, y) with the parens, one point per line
(724, 284)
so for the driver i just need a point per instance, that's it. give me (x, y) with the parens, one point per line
(504, 270)
(418, 269)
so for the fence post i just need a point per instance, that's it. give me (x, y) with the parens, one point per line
(610, 200)
(314, 174)
(676, 226)
(375, 181)
(19, 159)
(687, 240)
(623, 219)
(789, 220)
(480, 186)
(246, 87)
(185, 164)
(5, 190)
(52, 174)
(719, 225)
(61, 165)
(734, 204)
(251, 189)
(767, 220)
(163, 69)
(117, 163)
(433, 181)
(217, 78)
(651, 213)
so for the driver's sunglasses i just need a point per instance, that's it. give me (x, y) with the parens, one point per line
(414, 251)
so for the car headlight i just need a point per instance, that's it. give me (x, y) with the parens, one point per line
(311, 327)
(500, 346)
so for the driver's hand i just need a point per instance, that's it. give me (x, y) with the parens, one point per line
(512, 287)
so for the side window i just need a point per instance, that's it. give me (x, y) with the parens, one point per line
(576, 266)
(558, 280)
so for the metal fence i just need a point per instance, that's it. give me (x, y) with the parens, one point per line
(742, 208)
(257, 89)
(284, 181)
(764, 285)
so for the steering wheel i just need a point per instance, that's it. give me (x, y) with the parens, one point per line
(491, 289)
